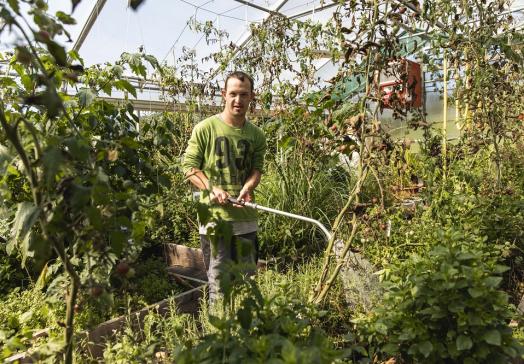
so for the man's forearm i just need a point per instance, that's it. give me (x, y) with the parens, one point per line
(198, 179)
(253, 180)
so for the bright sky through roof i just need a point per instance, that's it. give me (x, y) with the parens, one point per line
(161, 25)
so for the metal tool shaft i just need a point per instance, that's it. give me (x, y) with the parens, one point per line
(283, 213)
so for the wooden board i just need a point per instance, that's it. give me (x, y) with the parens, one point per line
(186, 302)
(185, 261)
(189, 262)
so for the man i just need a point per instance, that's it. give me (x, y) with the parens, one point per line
(225, 155)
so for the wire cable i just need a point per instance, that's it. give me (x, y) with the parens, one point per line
(213, 12)
(197, 7)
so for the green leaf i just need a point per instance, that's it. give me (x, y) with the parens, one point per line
(49, 99)
(476, 292)
(26, 216)
(5, 155)
(499, 268)
(52, 159)
(7, 82)
(58, 52)
(492, 282)
(95, 217)
(289, 352)
(75, 56)
(14, 5)
(78, 148)
(124, 85)
(86, 96)
(80, 195)
(244, 317)
(425, 348)
(65, 18)
(139, 230)
(217, 322)
(27, 82)
(117, 239)
(463, 342)
(390, 349)
(492, 337)
(465, 256)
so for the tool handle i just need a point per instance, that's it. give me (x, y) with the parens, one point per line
(234, 201)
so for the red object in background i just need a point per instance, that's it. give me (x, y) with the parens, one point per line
(407, 93)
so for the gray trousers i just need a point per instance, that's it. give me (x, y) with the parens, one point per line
(226, 252)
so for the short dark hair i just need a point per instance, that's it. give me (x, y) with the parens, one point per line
(239, 75)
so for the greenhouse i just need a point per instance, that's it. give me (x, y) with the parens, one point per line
(262, 181)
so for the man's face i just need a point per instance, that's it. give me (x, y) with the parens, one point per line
(237, 96)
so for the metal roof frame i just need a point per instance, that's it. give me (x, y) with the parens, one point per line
(97, 8)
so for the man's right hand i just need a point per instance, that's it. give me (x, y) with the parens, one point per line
(219, 196)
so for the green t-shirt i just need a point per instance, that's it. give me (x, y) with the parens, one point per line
(227, 155)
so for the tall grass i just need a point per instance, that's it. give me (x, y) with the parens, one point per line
(298, 185)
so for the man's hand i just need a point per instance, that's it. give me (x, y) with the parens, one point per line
(244, 195)
(219, 196)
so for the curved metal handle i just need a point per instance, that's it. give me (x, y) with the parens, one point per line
(282, 213)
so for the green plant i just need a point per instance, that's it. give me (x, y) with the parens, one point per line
(444, 307)
(22, 313)
(151, 281)
(254, 328)
(69, 163)
(286, 187)
(131, 347)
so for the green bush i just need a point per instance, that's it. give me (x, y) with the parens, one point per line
(444, 307)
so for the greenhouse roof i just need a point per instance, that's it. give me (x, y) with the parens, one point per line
(161, 27)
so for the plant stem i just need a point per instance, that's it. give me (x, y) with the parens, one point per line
(341, 261)
(329, 249)
(445, 118)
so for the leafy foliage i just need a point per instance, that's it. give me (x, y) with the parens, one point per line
(260, 329)
(22, 313)
(444, 306)
(69, 161)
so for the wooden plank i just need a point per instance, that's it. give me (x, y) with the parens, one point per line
(186, 302)
(25, 357)
(189, 262)
(20, 358)
(185, 261)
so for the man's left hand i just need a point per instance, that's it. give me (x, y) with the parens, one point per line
(244, 196)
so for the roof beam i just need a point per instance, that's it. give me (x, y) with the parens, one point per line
(88, 24)
(308, 12)
(258, 7)
(161, 106)
(279, 6)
